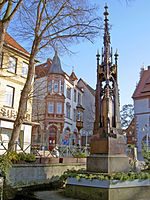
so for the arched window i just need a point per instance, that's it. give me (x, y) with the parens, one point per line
(67, 131)
(52, 131)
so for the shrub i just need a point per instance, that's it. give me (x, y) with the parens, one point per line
(21, 156)
(12, 155)
(122, 176)
(146, 155)
(5, 163)
(30, 158)
(79, 155)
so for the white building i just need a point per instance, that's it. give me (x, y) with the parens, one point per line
(88, 100)
(141, 99)
(13, 73)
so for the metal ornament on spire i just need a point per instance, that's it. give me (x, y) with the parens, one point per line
(106, 37)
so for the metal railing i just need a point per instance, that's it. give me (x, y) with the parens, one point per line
(43, 150)
(59, 150)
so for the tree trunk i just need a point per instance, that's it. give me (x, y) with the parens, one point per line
(3, 27)
(23, 99)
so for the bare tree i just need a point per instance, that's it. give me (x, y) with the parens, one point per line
(126, 115)
(8, 9)
(48, 22)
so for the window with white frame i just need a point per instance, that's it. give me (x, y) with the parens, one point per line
(56, 86)
(12, 64)
(59, 108)
(62, 87)
(75, 95)
(68, 109)
(50, 107)
(49, 86)
(24, 69)
(69, 93)
(9, 96)
(78, 116)
(74, 114)
(79, 98)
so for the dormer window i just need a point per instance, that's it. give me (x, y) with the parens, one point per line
(56, 86)
(49, 86)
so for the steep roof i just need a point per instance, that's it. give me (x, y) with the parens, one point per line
(56, 65)
(73, 76)
(43, 69)
(88, 87)
(143, 87)
(9, 40)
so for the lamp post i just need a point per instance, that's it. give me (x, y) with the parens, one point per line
(146, 130)
(79, 117)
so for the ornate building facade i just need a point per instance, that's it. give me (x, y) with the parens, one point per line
(56, 97)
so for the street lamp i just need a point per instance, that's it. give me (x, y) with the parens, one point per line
(146, 130)
(79, 117)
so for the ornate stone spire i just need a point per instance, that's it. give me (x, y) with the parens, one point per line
(107, 142)
(107, 95)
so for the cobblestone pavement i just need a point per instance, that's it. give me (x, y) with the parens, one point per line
(51, 195)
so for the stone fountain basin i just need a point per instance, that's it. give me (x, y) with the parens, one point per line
(108, 183)
(137, 189)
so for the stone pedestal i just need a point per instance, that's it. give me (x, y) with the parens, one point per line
(104, 163)
(108, 154)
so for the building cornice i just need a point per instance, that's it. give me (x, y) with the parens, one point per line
(25, 122)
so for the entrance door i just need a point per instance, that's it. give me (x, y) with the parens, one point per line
(52, 137)
(52, 143)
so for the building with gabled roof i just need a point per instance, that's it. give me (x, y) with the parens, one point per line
(9, 41)
(54, 105)
(13, 74)
(141, 97)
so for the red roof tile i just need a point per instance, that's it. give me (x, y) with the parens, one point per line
(9, 40)
(143, 87)
(43, 69)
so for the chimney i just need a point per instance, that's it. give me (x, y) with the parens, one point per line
(142, 70)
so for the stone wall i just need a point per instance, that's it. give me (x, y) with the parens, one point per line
(23, 175)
